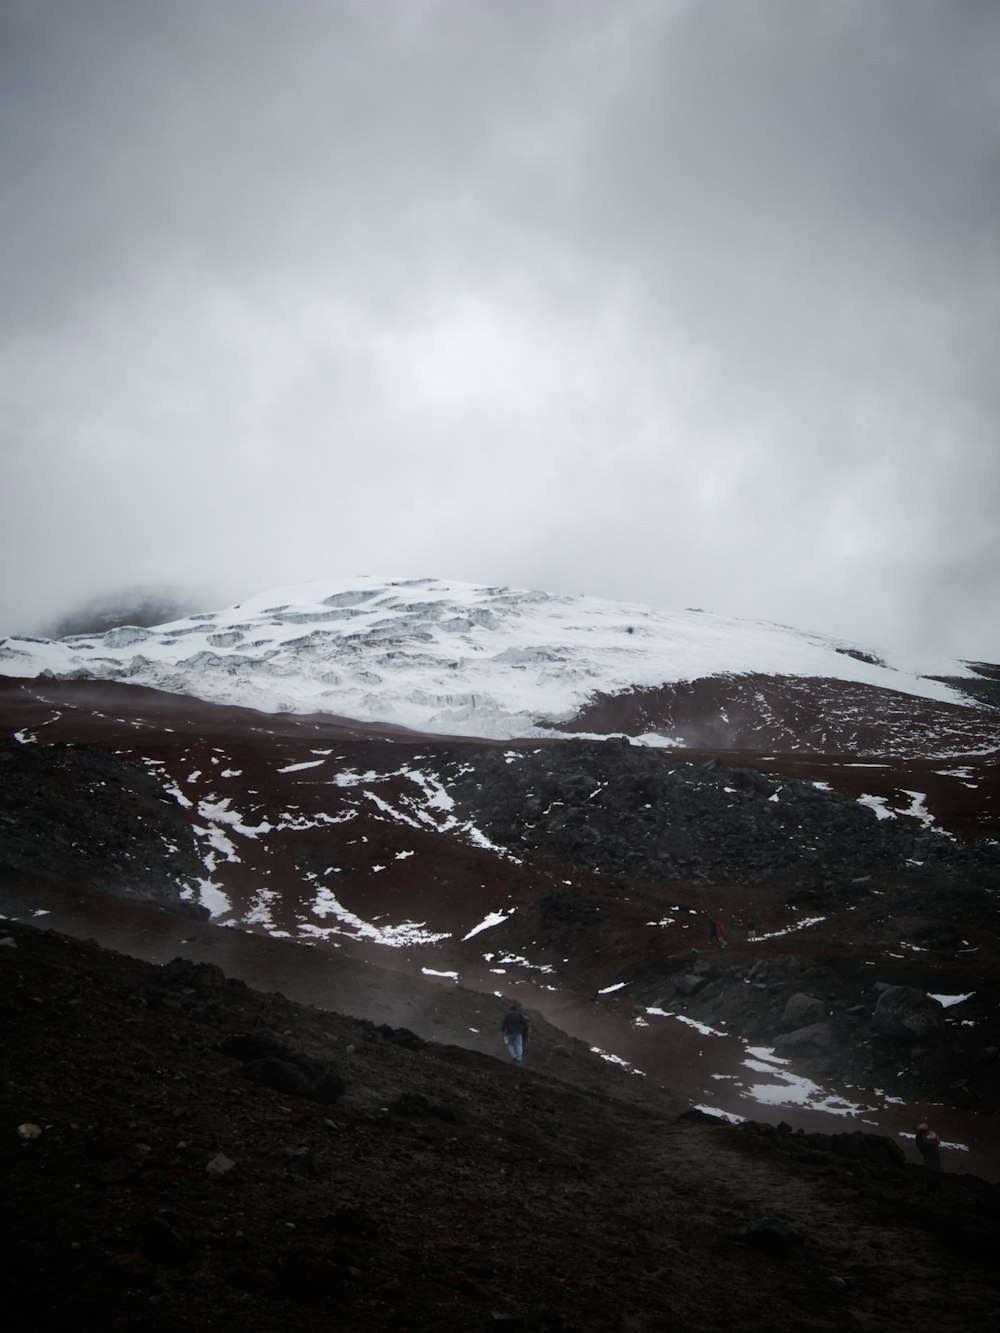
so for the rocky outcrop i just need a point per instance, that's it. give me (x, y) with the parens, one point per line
(690, 983)
(84, 815)
(803, 1010)
(623, 810)
(878, 1154)
(909, 1015)
(816, 1039)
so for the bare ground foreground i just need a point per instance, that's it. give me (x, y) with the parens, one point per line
(185, 1152)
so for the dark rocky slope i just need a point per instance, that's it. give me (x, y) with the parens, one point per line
(158, 1180)
(85, 814)
(625, 810)
(637, 833)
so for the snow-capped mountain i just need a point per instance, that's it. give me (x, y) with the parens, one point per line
(236, 768)
(455, 658)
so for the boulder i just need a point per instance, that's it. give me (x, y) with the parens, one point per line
(184, 973)
(940, 936)
(875, 1150)
(904, 1013)
(802, 1010)
(775, 1237)
(257, 1046)
(816, 1039)
(315, 1079)
(689, 984)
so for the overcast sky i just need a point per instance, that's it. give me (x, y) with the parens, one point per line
(688, 302)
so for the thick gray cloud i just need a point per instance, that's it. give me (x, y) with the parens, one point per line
(664, 300)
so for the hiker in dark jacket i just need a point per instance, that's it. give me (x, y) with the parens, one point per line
(515, 1031)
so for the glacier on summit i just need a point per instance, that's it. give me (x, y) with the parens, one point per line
(453, 658)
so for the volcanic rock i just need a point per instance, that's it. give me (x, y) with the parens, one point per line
(816, 1039)
(803, 1010)
(906, 1014)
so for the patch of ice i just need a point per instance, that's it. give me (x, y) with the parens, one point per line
(683, 1018)
(218, 841)
(390, 810)
(260, 910)
(798, 925)
(395, 937)
(479, 839)
(766, 1053)
(435, 795)
(616, 1060)
(956, 1147)
(210, 895)
(731, 1116)
(493, 919)
(798, 1091)
(918, 808)
(878, 805)
(508, 958)
(218, 812)
(948, 1000)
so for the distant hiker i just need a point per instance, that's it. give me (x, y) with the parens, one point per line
(751, 930)
(929, 1147)
(713, 931)
(720, 934)
(515, 1031)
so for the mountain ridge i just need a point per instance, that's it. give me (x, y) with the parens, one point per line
(444, 657)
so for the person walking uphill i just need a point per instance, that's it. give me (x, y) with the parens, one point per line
(515, 1031)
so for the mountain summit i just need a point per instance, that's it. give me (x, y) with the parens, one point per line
(450, 658)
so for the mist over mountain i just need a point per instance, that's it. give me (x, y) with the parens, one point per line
(140, 605)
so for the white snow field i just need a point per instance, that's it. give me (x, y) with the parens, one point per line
(452, 658)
